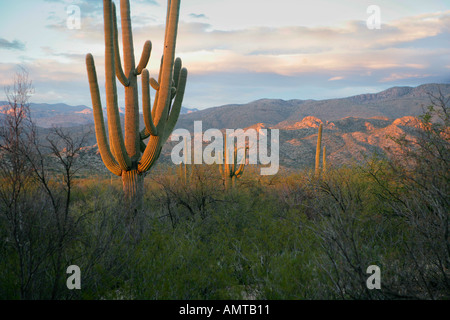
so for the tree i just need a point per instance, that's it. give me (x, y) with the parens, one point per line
(415, 188)
(35, 218)
(17, 134)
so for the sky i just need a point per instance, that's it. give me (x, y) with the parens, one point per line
(236, 51)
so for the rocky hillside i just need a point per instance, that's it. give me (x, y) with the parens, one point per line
(354, 127)
(392, 103)
(347, 140)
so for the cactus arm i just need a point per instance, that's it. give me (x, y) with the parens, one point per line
(154, 84)
(162, 108)
(119, 70)
(324, 159)
(176, 72)
(176, 107)
(150, 153)
(163, 95)
(232, 171)
(240, 170)
(144, 134)
(173, 92)
(116, 138)
(100, 134)
(146, 51)
(127, 37)
(169, 6)
(150, 128)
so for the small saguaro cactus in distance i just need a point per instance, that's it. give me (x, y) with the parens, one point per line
(231, 171)
(183, 172)
(128, 156)
(319, 145)
(183, 167)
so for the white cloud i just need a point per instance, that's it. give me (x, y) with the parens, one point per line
(335, 54)
(401, 76)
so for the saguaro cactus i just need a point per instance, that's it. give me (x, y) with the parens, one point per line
(324, 159)
(319, 144)
(183, 172)
(231, 171)
(183, 168)
(123, 156)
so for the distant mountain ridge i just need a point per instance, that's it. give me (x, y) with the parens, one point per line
(392, 103)
(47, 115)
(352, 127)
(401, 92)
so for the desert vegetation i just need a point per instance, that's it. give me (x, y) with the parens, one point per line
(212, 232)
(295, 235)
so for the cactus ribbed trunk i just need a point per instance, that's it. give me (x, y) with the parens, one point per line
(319, 146)
(133, 183)
(227, 182)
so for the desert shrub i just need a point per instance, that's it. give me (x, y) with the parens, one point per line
(290, 236)
(417, 196)
(178, 199)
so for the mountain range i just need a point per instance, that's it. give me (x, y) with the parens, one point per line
(63, 115)
(353, 127)
(392, 103)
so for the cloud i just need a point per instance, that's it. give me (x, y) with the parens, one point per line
(351, 48)
(152, 2)
(198, 16)
(280, 62)
(288, 50)
(402, 76)
(335, 78)
(354, 35)
(12, 45)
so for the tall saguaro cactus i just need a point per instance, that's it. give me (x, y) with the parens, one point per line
(231, 171)
(128, 156)
(319, 144)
